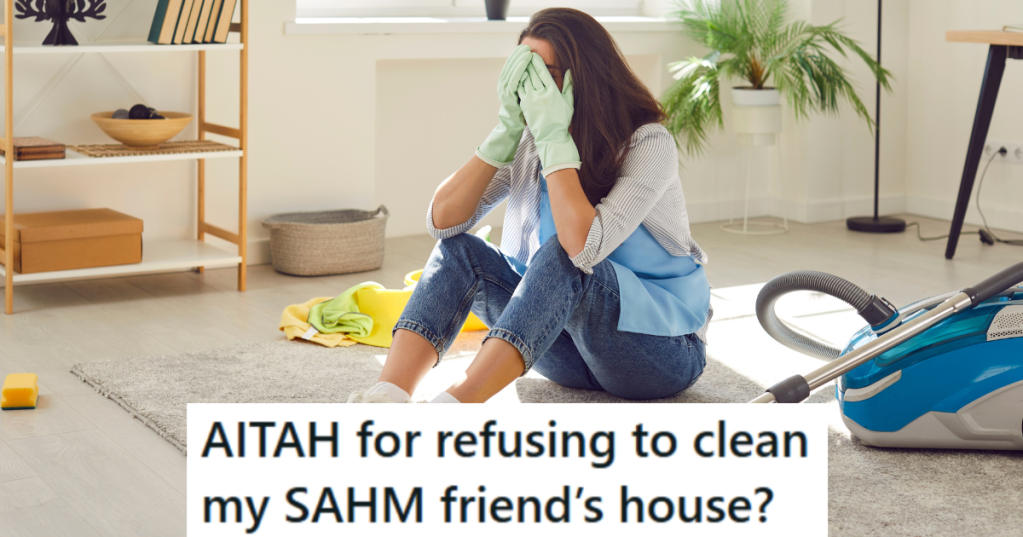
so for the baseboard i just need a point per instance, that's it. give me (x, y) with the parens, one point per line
(943, 209)
(714, 211)
(806, 212)
(812, 212)
(840, 209)
(259, 252)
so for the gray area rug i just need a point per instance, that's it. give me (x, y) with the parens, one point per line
(883, 492)
(157, 389)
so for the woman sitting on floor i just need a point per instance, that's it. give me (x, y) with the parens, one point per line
(597, 284)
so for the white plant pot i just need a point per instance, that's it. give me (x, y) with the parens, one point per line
(755, 97)
(756, 115)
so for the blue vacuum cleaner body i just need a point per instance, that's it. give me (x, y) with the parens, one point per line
(945, 372)
(959, 384)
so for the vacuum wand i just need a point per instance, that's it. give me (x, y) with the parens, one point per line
(797, 388)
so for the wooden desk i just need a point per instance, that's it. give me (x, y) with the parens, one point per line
(1001, 45)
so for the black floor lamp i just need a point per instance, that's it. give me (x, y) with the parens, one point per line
(877, 224)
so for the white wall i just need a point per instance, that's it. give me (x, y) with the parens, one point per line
(945, 80)
(853, 193)
(430, 117)
(359, 120)
(828, 162)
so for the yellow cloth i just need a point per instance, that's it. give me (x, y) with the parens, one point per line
(294, 325)
(383, 305)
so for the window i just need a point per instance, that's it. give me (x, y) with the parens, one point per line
(453, 8)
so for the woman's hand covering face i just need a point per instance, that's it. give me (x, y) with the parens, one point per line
(511, 76)
(548, 113)
(499, 148)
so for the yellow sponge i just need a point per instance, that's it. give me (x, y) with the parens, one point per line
(21, 390)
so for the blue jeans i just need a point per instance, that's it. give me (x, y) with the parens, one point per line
(562, 321)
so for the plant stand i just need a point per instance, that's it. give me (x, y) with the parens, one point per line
(757, 125)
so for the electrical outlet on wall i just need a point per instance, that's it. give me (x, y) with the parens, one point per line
(1014, 155)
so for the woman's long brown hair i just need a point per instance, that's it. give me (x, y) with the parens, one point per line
(610, 102)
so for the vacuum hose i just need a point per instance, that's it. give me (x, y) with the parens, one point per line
(876, 311)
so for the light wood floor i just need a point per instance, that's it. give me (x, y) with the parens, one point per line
(80, 465)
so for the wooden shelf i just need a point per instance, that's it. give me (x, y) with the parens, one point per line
(77, 159)
(157, 256)
(118, 46)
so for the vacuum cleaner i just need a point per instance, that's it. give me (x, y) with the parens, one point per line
(944, 372)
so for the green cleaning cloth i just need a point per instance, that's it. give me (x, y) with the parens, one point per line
(342, 314)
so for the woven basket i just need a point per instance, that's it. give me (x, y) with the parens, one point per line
(327, 242)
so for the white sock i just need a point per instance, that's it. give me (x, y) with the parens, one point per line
(445, 397)
(396, 394)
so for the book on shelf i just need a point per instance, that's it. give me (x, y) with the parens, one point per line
(186, 11)
(204, 21)
(212, 26)
(165, 22)
(193, 21)
(224, 21)
(35, 148)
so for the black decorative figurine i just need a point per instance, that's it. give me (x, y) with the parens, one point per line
(59, 12)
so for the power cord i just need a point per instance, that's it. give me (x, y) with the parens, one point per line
(986, 235)
(938, 238)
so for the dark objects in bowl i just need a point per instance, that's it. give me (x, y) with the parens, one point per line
(140, 111)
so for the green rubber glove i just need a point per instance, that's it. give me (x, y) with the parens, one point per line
(548, 114)
(499, 148)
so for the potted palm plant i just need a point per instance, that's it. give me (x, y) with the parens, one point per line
(749, 41)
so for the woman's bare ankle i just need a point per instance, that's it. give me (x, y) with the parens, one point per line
(409, 359)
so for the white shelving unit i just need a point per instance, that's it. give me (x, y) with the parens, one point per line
(77, 159)
(157, 256)
(118, 46)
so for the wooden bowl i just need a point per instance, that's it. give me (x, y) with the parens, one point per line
(143, 133)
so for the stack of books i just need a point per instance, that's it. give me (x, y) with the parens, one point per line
(35, 148)
(180, 22)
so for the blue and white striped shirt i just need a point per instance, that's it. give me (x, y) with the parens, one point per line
(648, 193)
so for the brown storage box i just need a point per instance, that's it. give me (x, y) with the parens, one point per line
(65, 240)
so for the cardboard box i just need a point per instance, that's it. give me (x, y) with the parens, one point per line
(65, 240)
